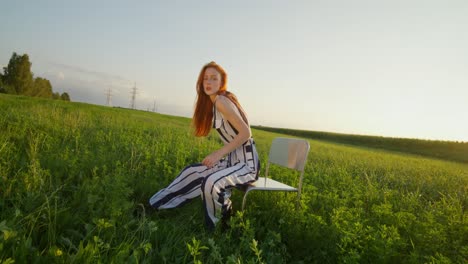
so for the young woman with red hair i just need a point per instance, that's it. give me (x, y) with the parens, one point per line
(234, 165)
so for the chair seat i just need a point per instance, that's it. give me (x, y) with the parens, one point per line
(271, 185)
(289, 153)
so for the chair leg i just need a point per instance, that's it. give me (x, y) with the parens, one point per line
(298, 201)
(244, 200)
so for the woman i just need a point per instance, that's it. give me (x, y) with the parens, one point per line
(234, 165)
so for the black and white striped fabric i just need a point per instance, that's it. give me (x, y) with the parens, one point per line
(214, 184)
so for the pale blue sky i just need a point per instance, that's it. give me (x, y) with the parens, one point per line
(389, 68)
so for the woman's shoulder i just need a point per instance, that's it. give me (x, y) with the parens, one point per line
(223, 103)
(226, 97)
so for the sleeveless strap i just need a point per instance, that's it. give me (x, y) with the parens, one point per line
(241, 112)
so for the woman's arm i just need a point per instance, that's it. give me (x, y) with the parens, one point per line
(230, 113)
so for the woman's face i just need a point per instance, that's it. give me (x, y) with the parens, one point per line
(211, 81)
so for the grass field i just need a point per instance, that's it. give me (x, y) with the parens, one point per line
(75, 180)
(445, 150)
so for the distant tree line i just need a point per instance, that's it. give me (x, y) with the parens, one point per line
(18, 79)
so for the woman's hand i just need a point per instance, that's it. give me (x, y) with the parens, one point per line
(211, 159)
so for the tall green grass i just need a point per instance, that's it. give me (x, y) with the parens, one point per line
(75, 180)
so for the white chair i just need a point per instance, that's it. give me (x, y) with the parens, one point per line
(287, 152)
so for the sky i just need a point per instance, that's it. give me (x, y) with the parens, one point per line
(382, 68)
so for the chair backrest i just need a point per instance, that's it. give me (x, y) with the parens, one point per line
(289, 152)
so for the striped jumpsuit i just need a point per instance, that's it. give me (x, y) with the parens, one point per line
(239, 167)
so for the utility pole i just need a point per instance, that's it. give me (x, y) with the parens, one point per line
(133, 92)
(109, 97)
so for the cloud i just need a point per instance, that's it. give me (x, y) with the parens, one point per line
(53, 75)
(60, 76)
(88, 86)
(86, 90)
(83, 71)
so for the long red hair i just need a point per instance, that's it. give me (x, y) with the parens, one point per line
(203, 114)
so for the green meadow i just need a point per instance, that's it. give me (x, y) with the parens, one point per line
(75, 180)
